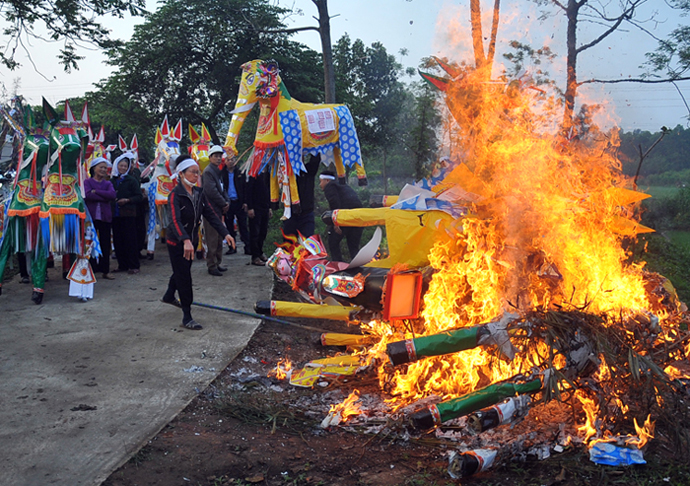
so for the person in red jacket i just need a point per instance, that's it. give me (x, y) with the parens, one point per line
(187, 204)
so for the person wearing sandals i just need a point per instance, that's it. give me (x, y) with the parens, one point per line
(187, 203)
(99, 193)
(124, 214)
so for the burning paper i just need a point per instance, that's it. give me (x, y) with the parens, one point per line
(340, 412)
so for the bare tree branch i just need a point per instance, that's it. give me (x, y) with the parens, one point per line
(627, 14)
(634, 80)
(664, 131)
(494, 32)
(287, 31)
(477, 37)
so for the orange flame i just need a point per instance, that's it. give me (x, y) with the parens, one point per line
(347, 408)
(591, 409)
(545, 228)
(590, 430)
(283, 367)
(644, 433)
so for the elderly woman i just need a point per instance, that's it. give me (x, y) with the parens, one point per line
(99, 194)
(187, 204)
(125, 212)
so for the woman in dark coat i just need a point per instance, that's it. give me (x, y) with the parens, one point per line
(187, 204)
(124, 214)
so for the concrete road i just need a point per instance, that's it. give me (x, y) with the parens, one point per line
(84, 385)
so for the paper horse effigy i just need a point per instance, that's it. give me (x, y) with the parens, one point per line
(161, 171)
(12, 134)
(199, 152)
(95, 147)
(133, 146)
(200, 145)
(288, 129)
(22, 230)
(63, 211)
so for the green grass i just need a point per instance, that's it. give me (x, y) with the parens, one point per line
(679, 238)
(667, 258)
(659, 192)
(575, 469)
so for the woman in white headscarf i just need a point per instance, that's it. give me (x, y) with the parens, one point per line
(124, 214)
(99, 195)
(187, 204)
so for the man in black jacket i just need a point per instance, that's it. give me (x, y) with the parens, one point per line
(218, 198)
(302, 218)
(258, 197)
(234, 182)
(187, 203)
(340, 196)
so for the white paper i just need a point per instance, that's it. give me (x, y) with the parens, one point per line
(321, 120)
(368, 251)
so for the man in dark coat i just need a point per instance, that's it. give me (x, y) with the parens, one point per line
(187, 203)
(302, 218)
(234, 181)
(258, 197)
(340, 196)
(218, 198)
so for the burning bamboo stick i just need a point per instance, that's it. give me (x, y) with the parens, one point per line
(435, 415)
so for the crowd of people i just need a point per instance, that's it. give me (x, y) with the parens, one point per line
(222, 198)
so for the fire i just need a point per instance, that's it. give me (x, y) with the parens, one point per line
(546, 231)
(385, 333)
(282, 370)
(591, 409)
(342, 411)
(348, 407)
(644, 433)
(547, 215)
(591, 427)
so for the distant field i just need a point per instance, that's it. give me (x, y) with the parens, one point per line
(680, 238)
(659, 191)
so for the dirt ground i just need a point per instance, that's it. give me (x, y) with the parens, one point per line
(247, 428)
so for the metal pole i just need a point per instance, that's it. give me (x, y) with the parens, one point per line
(256, 316)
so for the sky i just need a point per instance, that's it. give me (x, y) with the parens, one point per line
(423, 28)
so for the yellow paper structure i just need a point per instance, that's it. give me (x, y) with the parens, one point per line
(627, 227)
(298, 309)
(336, 339)
(411, 234)
(623, 197)
(321, 368)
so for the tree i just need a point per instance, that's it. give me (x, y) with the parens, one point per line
(326, 50)
(367, 77)
(185, 61)
(671, 59)
(368, 80)
(324, 30)
(481, 59)
(592, 11)
(70, 21)
(422, 123)
(672, 56)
